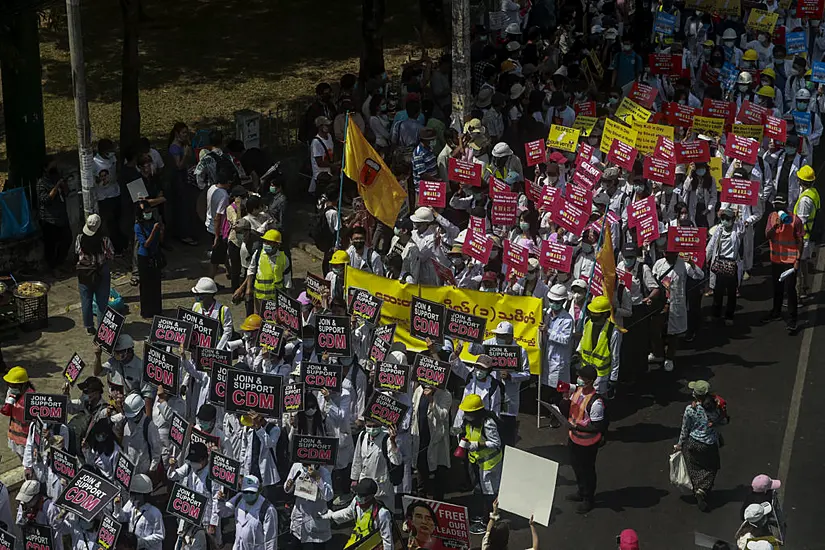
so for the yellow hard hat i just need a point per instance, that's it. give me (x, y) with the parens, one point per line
(273, 235)
(710, 43)
(600, 304)
(766, 91)
(339, 257)
(246, 421)
(809, 72)
(16, 375)
(806, 173)
(750, 55)
(471, 403)
(769, 72)
(253, 322)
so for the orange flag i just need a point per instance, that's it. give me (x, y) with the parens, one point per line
(607, 261)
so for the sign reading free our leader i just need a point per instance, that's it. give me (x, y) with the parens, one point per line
(313, 449)
(248, 391)
(87, 495)
(186, 504)
(45, 407)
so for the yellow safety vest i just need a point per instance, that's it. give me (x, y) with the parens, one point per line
(198, 308)
(270, 275)
(486, 457)
(812, 194)
(365, 535)
(600, 356)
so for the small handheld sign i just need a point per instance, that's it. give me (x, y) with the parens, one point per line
(382, 342)
(321, 375)
(109, 330)
(271, 337)
(288, 312)
(87, 495)
(463, 326)
(37, 537)
(73, 369)
(427, 320)
(293, 398)
(217, 384)
(206, 330)
(392, 377)
(431, 372)
(385, 410)
(504, 357)
(204, 358)
(63, 463)
(177, 430)
(366, 306)
(249, 391)
(312, 449)
(161, 368)
(124, 471)
(170, 332)
(186, 504)
(224, 470)
(333, 335)
(7, 540)
(108, 533)
(45, 407)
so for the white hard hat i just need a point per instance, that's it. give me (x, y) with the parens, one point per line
(501, 149)
(513, 46)
(744, 78)
(205, 286)
(397, 358)
(133, 404)
(504, 328)
(557, 292)
(580, 283)
(729, 34)
(124, 342)
(513, 28)
(462, 236)
(141, 484)
(423, 214)
(803, 94)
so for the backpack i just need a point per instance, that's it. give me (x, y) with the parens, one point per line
(321, 233)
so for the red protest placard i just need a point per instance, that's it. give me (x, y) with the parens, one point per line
(569, 216)
(479, 225)
(660, 170)
(477, 246)
(750, 113)
(535, 152)
(739, 191)
(643, 94)
(497, 186)
(695, 151)
(587, 175)
(595, 282)
(462, 171)
(585, 108)
(660, 63)
(548, 198)
(643, 216)
(742, 148)
(709, 75)
(625, 278)
(580, 196)
(585, 153)
(515, 258)
(716, 108)
(556, 256)
(776, 128)
(666, 149)
(505, 208)
(810, 9)
(432, 193)
(680, 115)
(689, 242)
(533, 190)
(622, 154)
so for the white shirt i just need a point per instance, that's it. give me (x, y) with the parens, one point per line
(146, 523)
(319, 147)
(558, 345)
(217, 200)
(106, 187)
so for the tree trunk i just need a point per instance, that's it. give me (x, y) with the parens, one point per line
(130, 89)
(460, 62)
(372, 23)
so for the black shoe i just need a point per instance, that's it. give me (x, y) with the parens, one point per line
(554, 422)
(584, 507)
(575, 497)
(91, 331)
(791, 327)
(690, 338)
(701, 503)
(771, 317)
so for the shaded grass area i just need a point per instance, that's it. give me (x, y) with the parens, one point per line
(203, 60)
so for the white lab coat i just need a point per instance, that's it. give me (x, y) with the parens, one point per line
(254, 529)
(353, 512)
(438, 421)
(5, 508)
(512, 387)
(199, 482)
(369, 462)
(135, 445)
(306, 524)
(162, 412)
(268, 438)
(146, 522)
(215, 313)
(338, 421)
(489, 390)
(369, 261)
(558, 345)
(38, 459)
(675, 281)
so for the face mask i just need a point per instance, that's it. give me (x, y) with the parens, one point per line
(626, 47)
(727, 224)
(661, 242)
(639, 189)
(250, 498)
(790, 150)
(743, 87)
(137, 418)
(701, 171)
(359, 245)
(579, 382)
(530, 276)
(268, 249)
(613, 100)
(273, 189)
(795, 71)
(193, 465)
(100, 438)
(707, 52)
(779, 62)
(205, 426)
(563, 277)
(556, 306)
(682, 102)
(397, 232)
(802, 106)
(338, 270)
(587, 248)
(629, 262)
(729, 43)
(308, 343)
(458, 263)
(524, 226)
(481, 374)
(15, 391)
(494, 254)
(361, 501)
(311, 411)
(374, 431)
(147, 215)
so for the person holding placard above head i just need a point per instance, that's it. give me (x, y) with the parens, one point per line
(430, 429)
(141, 439)
(482, 446)
(194, 475)
(312, 486)
(35, 507)
(511, 379)
(124, 370)
(430, 230)
(139, 517)
(163, 410)
(206, 304)
(37, 457)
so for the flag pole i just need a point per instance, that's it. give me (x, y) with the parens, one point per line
(593, 269)
(341, 182)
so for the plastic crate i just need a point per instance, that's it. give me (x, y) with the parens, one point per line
(32, 313)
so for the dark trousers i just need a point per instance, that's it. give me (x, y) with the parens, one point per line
(779, 290)
(296, 544)
(694, 289)
(583, 460)
(185, 217)
(508, 429)
(151, 296)
(110, 213)
(635, 345)
(425, 484)
(725, 285)
(57, 240)
(234, 266)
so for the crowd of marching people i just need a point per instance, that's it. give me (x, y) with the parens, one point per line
(693, 134)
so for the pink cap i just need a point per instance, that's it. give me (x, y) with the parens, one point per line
(763, 483)
(303, 299)
(628, 540)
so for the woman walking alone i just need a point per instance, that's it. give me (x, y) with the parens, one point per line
(94, 251)
(699, 440)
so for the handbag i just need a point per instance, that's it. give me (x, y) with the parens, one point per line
(678, 472)
(723, 267)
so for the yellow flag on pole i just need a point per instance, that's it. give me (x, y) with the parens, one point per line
(383, 195)
(607, 261)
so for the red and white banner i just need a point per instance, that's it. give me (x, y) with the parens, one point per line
(643, 216)
(742, 148)
(569, 216)
(689, 242)
(580, 196)
(556, 256)
(643, 94)
(432, 193)
(587, 175)
(535, 152)
(477, 246)
(505, 208)
(462, 171)
(695, 151)
(515, 258)
(665, 149)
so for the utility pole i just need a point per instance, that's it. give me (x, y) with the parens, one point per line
(81, 107)
(461, 62)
